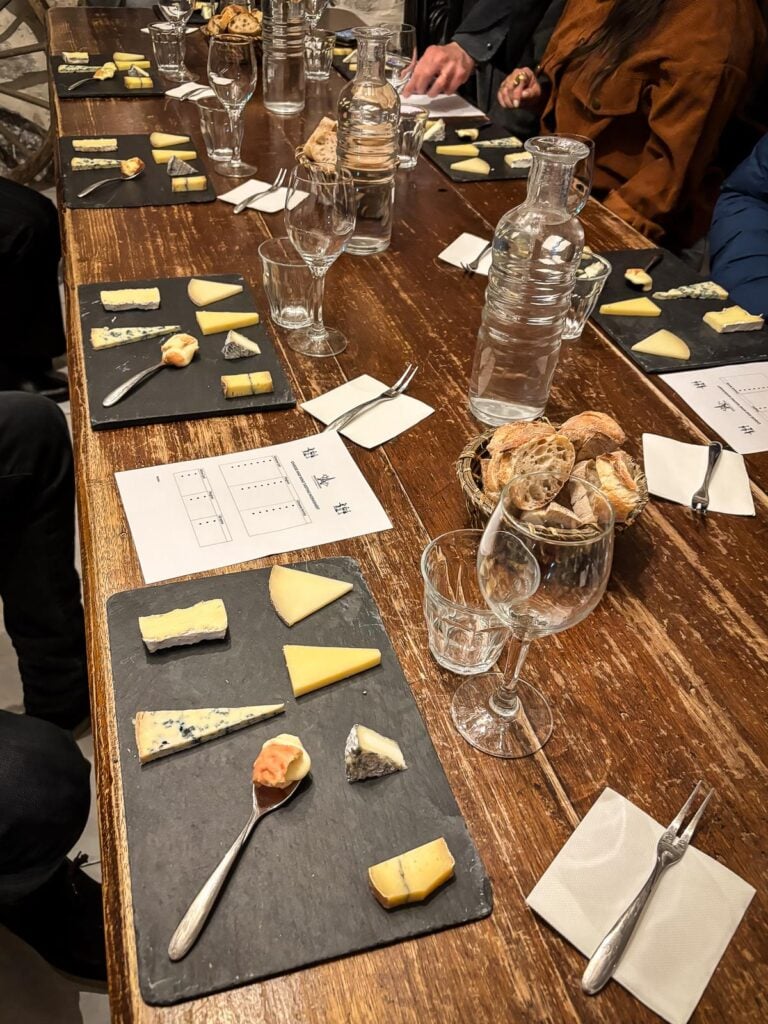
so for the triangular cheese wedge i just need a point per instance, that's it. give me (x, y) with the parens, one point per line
(630, 307)
(203, 293)
(163, 156)
(158, 140)
(474, 166)
(127, 57)
(159, 733)
(310, 668)
(215, 323)
(663, 343)
(296, 594)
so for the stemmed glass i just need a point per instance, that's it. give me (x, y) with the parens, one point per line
(511, 718)
(313, 11)
(319, 223)
(177, 13)
(232, 74)
(401, 56)
(583, 173)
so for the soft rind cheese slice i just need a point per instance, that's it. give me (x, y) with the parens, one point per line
(733, 318)
(217, 323)
(105, 72)
(475, 166)
(130, 298)
(240, 385)
(311, 668)
(435, 130)
(76, 57)
(94, 145)
(663, 343)
(295, 593)
(159, 733)
(412, 876)
(196, 183)
(463, 149)
(109, 337)
(206, 620)
(203, 293)
(630, 307)
(179, 350)
(369, 755)
(237, 346)
(161, 140)
(162, 156)
(516, 160)
(281, 762)
(93, 163)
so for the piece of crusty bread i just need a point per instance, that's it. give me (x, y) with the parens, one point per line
(511, 435)
(592, 434)
(554, 515)
(552, 457)
(320, 147)
(617, 471)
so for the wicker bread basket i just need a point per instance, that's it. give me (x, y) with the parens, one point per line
(480, 506)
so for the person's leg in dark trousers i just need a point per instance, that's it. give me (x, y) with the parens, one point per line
(39, 586)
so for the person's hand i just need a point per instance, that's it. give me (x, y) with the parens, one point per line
(520, 89)
(442, 69)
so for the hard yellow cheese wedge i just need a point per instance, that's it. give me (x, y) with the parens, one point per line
(240, 385)
(412, 876)
(463, 149)
(131, 57)
(131, 82)
(203, 293)
(215, 323)
(631, 307)
(295, 594)
(160, 140)
(311, 668)
(193, 183)
(126, 65)
(663, 343)
(163, 156)
(206, 620)
(159, 733)
(475, 166)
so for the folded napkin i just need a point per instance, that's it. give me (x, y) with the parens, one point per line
(466, 248)
(675, 470)
(273, 203)
(379, 424)
(446, 106)
(181, 90)
(687, 925)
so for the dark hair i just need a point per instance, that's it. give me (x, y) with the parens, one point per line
(627, 22)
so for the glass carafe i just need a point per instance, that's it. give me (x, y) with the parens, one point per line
(369, 112)
(283, 28)
(536, 251)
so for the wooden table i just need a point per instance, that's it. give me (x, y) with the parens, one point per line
(664, 683)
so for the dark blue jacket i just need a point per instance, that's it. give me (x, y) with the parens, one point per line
(738, 238)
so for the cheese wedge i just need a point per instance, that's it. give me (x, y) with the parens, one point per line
(76, 57)
(733, 318)
(463, 149)
(126, 65)
(94, 145)
(180, 168)
(215, 323)
(630, 307)
(663, 343)
(240, 385)
(129, 57)
(206, 620)
(159, 733)
(203, 293)
(105, 72)
(160, 140)
(131, 82)
(517, 160)
(468, 133)
(311, 668)
(281, 761)
(476, 166)
(237, 346)
(93, 163)
(130, 298)
(295, 594)
(162, 156)
(110, 337)
(369, 755)
(196, 183)
(412, 876)
(435, 130)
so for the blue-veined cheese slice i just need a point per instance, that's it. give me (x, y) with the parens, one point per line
(159, 733)
(109, 337)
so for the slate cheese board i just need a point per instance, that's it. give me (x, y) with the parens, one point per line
(151, 188)
(681, 316)
(495, 157)
(299, 894)
(173, 394)
(107, 89)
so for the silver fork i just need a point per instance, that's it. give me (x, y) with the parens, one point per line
(276, 184)
(472, 268)
(669, 850)
(700, 500)
(398, 388)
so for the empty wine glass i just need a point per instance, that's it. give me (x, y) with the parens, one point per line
(583, 172)
(232, 74)
(320, 223)
(177, 13)
(511, 718)
(313, 11)
(401, 56)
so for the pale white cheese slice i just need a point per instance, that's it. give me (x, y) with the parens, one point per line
(295, 594)
(130, 298)
(206, 620)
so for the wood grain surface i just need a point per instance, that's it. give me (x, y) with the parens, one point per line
(663, 684)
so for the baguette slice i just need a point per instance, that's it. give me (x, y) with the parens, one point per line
(553, 459)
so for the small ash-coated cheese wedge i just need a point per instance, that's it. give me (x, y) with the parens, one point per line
(369, 755)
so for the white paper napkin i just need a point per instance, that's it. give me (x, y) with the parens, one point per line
(179, 91)
(675, 470)
(446, 106)
(273, 203)
(687, 925)
(379, 424)
(465, 249)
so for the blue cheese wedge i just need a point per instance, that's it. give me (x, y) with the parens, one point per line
(130, 298)
(138, 72)
(369, 755)
(435, 131)
(508, 142)
(109, 337)
(178, 168)
(206, 620)
(237, 346)
(700, 290)
(159, 733)
(94, 145)
(93, 163)
(78, 69)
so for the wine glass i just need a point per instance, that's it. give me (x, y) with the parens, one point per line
(177, 13)
(313, 11)
(232, 74)
(401, 56)
(583, 172)
(320, 223)
(509, 717)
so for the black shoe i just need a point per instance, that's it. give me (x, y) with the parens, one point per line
(63, 921)
(51, 385)
(75, 720)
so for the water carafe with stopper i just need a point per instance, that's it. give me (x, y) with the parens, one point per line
(536, 251)
(369, 112)
(283, 27)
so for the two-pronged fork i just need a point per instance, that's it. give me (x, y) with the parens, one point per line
(276, 184)
(473, 266)
(398, 388)
(669, 850)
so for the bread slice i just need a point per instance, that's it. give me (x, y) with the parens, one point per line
(617, 472)
(511, 435)
(554, 515)
(320, 147)
(583, 502)
(551, 457)
(593, 434)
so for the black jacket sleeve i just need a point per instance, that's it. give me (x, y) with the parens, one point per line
(490, 23)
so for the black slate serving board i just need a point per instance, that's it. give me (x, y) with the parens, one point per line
(189, 393)
(151, 188)
(110, 87)
(681, 316)
(299, 894)
(494, 157)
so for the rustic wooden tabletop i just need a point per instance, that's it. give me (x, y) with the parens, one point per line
(662, 684)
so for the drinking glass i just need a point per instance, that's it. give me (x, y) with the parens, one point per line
(410, 134)
(313, 11)
(287, 283)
(586, 292)
(319, 226)
(318, 55)
(177, 13)
(232, 74)
(401, 56)
(465, 636)
(512, 718)
(215, 128)
(166, 50)
(581, 186)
